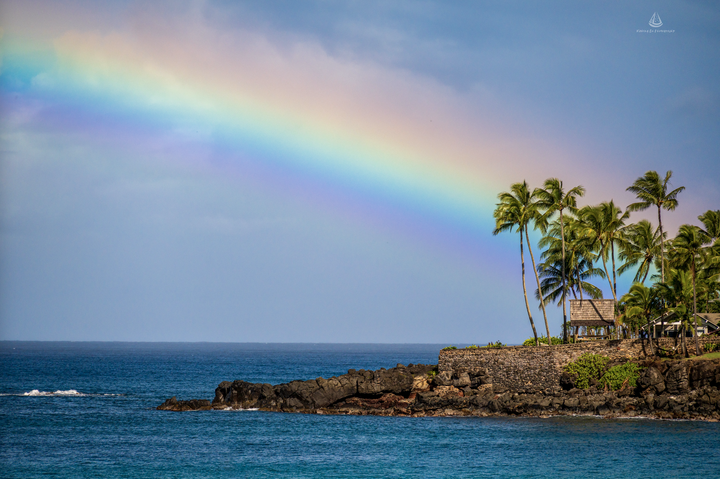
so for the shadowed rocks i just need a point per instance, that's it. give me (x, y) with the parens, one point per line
(665, 389)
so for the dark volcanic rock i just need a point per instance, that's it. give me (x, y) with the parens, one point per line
(665, 389)
(173, 404)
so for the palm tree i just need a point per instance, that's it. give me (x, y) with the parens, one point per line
(605, 223)
(641, 303)
(711, 221)
(687, 250)
(677, 293)
(576, 273)
(650, 190)
(642, 246)
(514, 212)
(553, 198)
(579, 260)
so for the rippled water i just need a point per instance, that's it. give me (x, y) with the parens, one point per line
(87, 410)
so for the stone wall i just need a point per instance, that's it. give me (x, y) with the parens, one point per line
(533, 368)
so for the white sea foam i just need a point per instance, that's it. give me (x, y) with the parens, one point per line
(237, 409)
(58, 393)
(69, 392)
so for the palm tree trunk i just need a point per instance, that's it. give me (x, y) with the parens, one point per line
(697, 341)
(527, 305)
(537, 278)
(646, 275)
(662, 247)
(577, 273)
(607, 275)
(612, 252)
(614, 285)
(562, 236)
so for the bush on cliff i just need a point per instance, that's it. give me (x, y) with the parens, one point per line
(621, 375)
(496, 344)
(449, 348)
(542, 340)
(586, 368)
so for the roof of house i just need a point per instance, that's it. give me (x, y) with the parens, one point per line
(592, 312)
(711, 319)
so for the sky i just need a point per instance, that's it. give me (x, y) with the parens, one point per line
(319, 171)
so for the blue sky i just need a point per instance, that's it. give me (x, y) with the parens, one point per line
(136, 219)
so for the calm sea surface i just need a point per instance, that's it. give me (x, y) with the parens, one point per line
(87, 410)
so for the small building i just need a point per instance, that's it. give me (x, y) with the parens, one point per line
(668, 325)
(592, 318)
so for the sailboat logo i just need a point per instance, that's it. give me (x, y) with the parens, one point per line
(655, 21)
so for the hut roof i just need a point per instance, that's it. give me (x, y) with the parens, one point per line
(592, 312)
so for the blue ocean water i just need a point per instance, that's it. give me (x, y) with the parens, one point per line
(87, 410)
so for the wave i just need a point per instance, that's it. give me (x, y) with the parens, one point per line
(58, 393)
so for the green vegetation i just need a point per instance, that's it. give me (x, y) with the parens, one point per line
(449, 348)
(582, 244)
(586, 368)
(496, 344)
(621, 376)
(591, 369)
(710, 347)
(710, 356)
(472, 346)
(542, 340)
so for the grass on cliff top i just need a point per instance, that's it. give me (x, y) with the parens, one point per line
(704, 357)
(708, 356)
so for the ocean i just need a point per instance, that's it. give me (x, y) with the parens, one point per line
(88, 410)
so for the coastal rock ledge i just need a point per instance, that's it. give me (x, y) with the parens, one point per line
(665, 389)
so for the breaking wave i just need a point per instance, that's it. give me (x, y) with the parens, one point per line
(58, 393)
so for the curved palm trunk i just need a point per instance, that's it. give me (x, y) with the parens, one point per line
(607, 275)
(562, 236)
(577, 273)
(527, 305)
(537, 278)
(646, 275)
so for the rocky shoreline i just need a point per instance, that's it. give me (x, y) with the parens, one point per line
(672, 389)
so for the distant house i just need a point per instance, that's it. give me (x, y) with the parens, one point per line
(590, 314)
(668, 325)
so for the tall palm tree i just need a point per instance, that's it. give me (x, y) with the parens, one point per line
(687, 251)
(642, 246)
(651, 190)
(553, 198)
(605, 224)
(514, 212)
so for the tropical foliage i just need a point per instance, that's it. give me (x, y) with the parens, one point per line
(585, 248)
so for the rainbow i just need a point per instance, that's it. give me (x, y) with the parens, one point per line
(99, 79)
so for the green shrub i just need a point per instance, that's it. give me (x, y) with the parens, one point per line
(496, 344)
(432, 374)
(472, 346)
(449, 348)
(586, 367)
(622, 374)
(543, 340)
(710, 347)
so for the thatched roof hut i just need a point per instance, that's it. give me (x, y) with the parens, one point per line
(592, 312)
